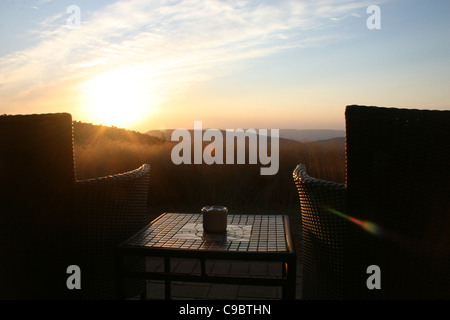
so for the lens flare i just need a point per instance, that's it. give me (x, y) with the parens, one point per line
(377, 230)
(368, 226)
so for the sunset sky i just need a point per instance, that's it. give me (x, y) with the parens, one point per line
(154, 64)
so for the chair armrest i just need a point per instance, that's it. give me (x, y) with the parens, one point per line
(110, 210)
(319, 195)
(324, 235)
(116, 202)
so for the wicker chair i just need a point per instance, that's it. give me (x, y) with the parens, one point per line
(50, 220)
(393, 211)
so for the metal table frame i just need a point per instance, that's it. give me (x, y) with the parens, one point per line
(135, 247)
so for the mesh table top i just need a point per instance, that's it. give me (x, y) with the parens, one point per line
(248, 233)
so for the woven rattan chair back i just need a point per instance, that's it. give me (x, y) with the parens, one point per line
(36, 183)
(398, 188)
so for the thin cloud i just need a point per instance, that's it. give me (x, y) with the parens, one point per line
(172, 43)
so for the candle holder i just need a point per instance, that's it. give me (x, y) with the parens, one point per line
(215, 219)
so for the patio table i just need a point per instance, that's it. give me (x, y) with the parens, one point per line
(181, 235)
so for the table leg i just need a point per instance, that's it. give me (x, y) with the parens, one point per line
(203, 267)
(119, 277)
(290, 272)
(167, 282)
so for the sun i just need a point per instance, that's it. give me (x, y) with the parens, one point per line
(117, 98)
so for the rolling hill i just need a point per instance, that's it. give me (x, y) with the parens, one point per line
(290, 134)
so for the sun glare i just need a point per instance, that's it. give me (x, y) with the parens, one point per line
(117, 98)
